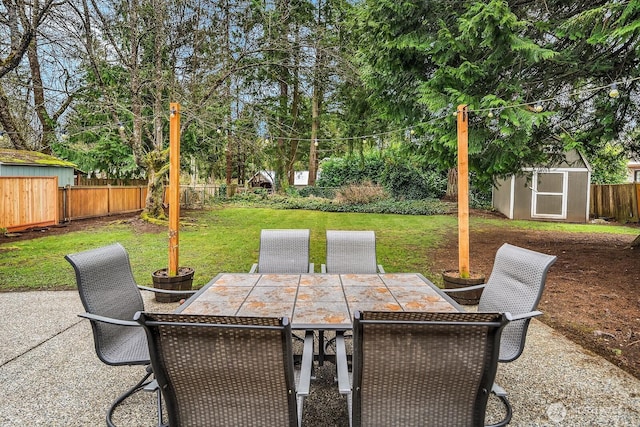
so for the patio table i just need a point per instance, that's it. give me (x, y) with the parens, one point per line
(316, 301)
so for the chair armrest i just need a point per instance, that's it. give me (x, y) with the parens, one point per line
(467, 288)
(165, 291)
(109, 320)
(513, 317)
(380, 269)
(254, 268)
(312, 267)
(323, 268)
(307, 365)
(342, 366)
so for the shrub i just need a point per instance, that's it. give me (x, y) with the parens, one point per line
(364, 193)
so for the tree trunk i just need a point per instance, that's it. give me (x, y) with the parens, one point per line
(48, 135)
(452, 185)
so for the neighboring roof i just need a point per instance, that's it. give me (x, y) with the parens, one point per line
(31, 158)
(265, 175)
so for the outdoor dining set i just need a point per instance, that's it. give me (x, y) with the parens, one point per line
(243, 349)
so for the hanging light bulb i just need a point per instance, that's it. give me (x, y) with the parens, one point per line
(538, 108)
(315, 143)
(219, 130)
(121, 127)
(614, 92)
(490, 114)
(412, 131)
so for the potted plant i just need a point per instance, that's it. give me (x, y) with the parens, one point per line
(173, 278)
(463, 277)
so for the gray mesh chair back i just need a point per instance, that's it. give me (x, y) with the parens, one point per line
(515, 286)
(107, 288)
(284, 251)
(424, 369)
(351, 251)
(223, 371)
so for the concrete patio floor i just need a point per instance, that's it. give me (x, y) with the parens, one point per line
(50, 375)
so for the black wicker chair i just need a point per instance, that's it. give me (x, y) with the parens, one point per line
(424, 369)
(111, 298)
(226, 370)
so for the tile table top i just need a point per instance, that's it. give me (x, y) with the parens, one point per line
(316, 301)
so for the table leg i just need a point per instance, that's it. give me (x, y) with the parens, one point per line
(320, 347)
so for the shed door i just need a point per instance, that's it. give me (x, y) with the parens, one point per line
(549, 195)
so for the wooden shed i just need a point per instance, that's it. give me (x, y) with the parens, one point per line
(32, 163)
(557, 193)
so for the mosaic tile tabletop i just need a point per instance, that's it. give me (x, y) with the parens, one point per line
(315, 301)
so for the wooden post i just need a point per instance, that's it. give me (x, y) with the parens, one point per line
(174, 187)
(463, 191)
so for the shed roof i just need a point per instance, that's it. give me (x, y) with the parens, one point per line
(31, 158)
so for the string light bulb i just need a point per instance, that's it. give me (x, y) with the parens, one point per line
(266, 139)
(315, 143)
(64, 136)
(538, 108)
(219, 130)
(490, 114)
(121, 127)
(614, 92)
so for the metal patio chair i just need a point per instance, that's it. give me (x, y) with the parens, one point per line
(515, 286)
(111, 298)
(350, 251)
(227, 370)
(283, 251)
(424, 369)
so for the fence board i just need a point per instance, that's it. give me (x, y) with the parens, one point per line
(618, 201)
(96, 201)
(28, 202)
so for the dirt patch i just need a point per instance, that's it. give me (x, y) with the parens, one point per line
(592, 291)
(591, 295)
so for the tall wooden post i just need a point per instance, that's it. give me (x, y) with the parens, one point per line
(174, 187)
(463, 191)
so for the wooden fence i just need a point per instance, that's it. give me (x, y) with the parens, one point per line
(617, 201)
(90, 202)
(27, 202)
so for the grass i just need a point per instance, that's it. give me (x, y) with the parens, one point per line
(227, 240)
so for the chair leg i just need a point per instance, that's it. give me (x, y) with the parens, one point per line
(502, 395)
(139, 386)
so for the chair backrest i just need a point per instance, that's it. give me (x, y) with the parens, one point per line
(107, 288)
(515, 286)
(284, 251)
(424, 369)
(351, 251)
(215, 370)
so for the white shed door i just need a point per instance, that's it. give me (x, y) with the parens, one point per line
(549, 195)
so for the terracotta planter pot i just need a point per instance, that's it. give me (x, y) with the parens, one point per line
(452, 280)
(180, 282)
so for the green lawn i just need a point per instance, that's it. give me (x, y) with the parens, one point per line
(227, 240)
